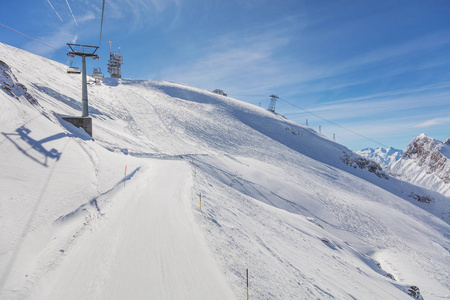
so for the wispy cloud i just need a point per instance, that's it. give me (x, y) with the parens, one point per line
(87, 16)
(378, 107)
(57, 39)
(434, 122)
(231, 59)
(141, 14)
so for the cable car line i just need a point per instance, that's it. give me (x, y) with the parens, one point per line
(334, 123)
(31, 38)
(101, 24)
(71, 13)
(55, 10)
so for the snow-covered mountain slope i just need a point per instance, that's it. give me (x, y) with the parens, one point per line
(426, 162)
(119, 217)
(382, 156)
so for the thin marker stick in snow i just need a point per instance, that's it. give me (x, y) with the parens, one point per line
(200, 200)
(124, 175)
(247, 284)
(195, 169)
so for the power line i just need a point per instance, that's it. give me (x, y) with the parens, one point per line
(55, 10)
(101, 24)
(31, 38)
(334, 123)
(71, 12)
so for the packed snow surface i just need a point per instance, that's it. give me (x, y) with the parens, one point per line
(119, 216)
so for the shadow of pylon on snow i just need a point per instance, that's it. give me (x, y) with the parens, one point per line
(37, 151)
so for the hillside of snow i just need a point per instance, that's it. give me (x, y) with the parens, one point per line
(383, 157)
(426, 163)
(119, 216)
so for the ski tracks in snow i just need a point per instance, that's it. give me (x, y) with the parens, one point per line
(147, 246)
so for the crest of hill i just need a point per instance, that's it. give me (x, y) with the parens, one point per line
(310, 217)
(175, 118)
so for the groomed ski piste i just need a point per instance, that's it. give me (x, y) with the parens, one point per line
(119, 217)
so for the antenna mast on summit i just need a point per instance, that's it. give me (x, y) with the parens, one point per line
(114, 63)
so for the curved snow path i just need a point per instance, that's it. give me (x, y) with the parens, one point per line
(147, 246)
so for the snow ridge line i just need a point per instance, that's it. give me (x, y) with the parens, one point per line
(94, 201)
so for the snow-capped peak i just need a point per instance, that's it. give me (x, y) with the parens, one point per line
(425, 162)
(382, 156)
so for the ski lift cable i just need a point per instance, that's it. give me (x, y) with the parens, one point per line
(55, 10)
(334, 123)
(31, 38)
(71, 12)
(101, 24)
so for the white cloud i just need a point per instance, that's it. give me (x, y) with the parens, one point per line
(88, 16)
(434, 122)
(233, 60)
(57, 39)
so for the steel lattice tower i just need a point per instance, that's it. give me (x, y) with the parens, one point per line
(273, 102)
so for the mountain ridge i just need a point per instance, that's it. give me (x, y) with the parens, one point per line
(276, 198)
(425, 162)
(382, 156)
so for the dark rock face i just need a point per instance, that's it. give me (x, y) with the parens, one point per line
(363, 163)
(414, 292)
(423, 199)
(10, 85)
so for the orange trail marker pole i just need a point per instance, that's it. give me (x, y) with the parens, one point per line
(247, 284)
(200, 200)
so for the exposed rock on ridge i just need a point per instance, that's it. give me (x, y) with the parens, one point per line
(10, 85)
(425, 162)
(357, 161)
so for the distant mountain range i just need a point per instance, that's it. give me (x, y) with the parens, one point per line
(425, 162)
(382, 156)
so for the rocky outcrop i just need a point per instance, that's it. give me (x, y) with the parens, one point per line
(414, 292)
(425, 162)
(10, 85)
(357, 161)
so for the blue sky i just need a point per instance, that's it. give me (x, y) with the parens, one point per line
(379, 68)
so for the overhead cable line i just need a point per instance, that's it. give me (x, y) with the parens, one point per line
(101, 24)
(334, 123)
(31, 38)
(55, 10)
(71, 12)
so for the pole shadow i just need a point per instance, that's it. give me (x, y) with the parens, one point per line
(34, 149)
